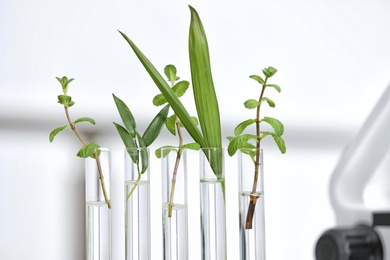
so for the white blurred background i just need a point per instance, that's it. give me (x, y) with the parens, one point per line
(333, 61)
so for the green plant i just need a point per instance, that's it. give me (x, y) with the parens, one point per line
(203, 89)
(90, 149)
(174, 126)
(243, 141)
(133, 141)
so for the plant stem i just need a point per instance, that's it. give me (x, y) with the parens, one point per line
(175, 170)
(253, 197)
(96, 156)
(134, 187)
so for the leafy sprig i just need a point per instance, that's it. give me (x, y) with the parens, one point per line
(174, 125)
(134, 141)
(90, 149)
(203, 89)
(242, 141)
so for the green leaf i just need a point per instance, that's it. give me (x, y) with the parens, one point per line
(164, 151)
(64, 81)
(88, 150)
(154, 128)
(249, 149)
(251, 103)
(56, 131)
(194, 120)
(242, 126)
(191, 146)
(170, 72)
(84, 119)
(126, 115)
(143, 153)
(269, 101)
(274, 86)
(203, 87)
(181, 87)
(170, 123)
(240, 142)
(65, 100)
(276, 125)
(204, 93)
(257, 78)
(269, 72)
(280, 143)
(127, 139)
(168, 93)
(159, 100)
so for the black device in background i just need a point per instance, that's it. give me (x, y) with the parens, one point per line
(361, 242)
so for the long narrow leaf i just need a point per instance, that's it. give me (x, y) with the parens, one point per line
(126, 115)
(168, 93)
(127, 140)
(154, 128)
(204, 92)
(202, 83)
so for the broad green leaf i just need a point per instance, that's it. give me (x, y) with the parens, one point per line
(56, 131)
(65, 100)
(126, 115)
(269, 101)
(143, 153)
(127, 140)
(159, 100)
(84, 119)
(251, 103)
(164, 151)
(250, 150)
(170, 72)
(265, 134)
(242, 126)
(280, 143)
(181, 87)
(257, 78)
(168, 93)
(275, 87)
(269, 72)
(170, 123)
(240, 142)
(191, 146)
(154, 128)
(88, 150)
(276, 125)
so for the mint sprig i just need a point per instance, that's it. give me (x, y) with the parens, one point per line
(174, 126)
(90, 149)
(242, 141)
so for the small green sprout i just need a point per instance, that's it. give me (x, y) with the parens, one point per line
(90, 149)
(174, 126)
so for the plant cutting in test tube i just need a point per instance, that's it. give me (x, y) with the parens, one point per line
(174, 126)
(242, 140)
(133, 140)
(90, 149)
(203, 91)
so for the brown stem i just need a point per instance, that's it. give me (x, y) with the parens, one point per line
(100, 171)
(253, 197)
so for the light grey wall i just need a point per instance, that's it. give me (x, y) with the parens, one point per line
(333, 61)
